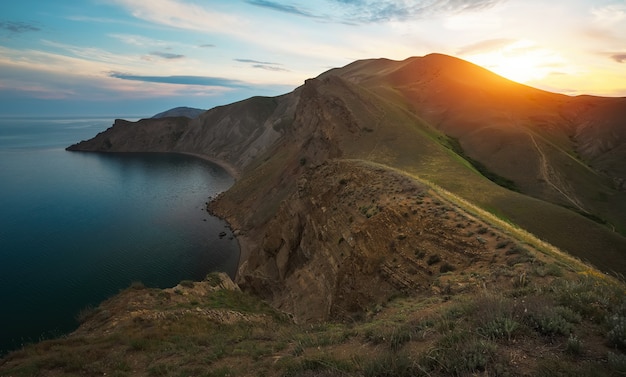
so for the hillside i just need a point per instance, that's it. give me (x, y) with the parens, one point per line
(398, 217)
(550, 163)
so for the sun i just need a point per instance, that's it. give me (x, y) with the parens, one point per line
(521, 61)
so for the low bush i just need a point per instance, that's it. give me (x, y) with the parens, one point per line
(617, 331)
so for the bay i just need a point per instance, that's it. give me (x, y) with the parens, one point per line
(76, 228)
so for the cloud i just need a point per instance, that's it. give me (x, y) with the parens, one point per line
(181, 15)
(183, 80)
(167, 55)
(485, 46)
(372, 11)
(18, 27)
(268, 66)
(138, 40)
(282, 8)
(206, 45)
(620, 58)
(254, 61)
(609, 15)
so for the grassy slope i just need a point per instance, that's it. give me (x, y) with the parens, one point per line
(406, 142)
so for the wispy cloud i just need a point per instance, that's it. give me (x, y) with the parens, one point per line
(207, 45)
(620, 58)
(285, 8)
(167, 55)
(367, 11)
(373, 11)
(609, 15)
(182, 80)
(485, 46)
(268, 66)
(138, 40)
(18, 26)
(181, 15)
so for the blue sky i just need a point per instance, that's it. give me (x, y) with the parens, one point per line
(136, 57)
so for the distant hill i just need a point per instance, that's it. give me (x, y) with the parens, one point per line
(188, 112)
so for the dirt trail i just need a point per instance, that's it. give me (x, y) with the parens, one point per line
(552, 178)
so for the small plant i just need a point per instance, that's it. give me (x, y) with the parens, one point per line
(187, 283)
(446, 267)
(298, 350)
(617, 362)
(573, 346)
(499, 328)
(213, 279)
(482, 230)
(502, 244)
(137, 285)
(399, 337)
(433, 258)
(86, 313)
(517, 249)
(302, 161)
(521, 281)
(617, 332)
(390, 365)
(551, 323)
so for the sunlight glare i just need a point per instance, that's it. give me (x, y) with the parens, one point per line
(521, 61)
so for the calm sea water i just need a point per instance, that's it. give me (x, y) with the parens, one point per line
(75, 228)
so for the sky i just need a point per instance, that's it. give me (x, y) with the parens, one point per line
(139, 57)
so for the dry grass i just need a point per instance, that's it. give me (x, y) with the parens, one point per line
(511, 331)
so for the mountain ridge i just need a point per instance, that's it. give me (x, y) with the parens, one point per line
(429, 117)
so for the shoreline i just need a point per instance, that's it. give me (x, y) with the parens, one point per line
(230, 169)
(245, 244)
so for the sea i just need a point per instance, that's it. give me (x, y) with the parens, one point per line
(78, 227)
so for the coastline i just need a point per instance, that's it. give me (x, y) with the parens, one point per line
(245, 244)
(230, 169)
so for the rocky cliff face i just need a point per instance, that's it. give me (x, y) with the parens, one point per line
(353, 235)
(234, 134)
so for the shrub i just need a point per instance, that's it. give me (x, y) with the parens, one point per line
(502, 244)
(617, 362)
(499, 328)
(86, 313)
(461, 356)
(517, 249)
(551, 322)
(573, 346)
(446, 267)
(433, 258)
(187, 283)
(390, 364)
(617, 331)
(137, 285)
(213, 279)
